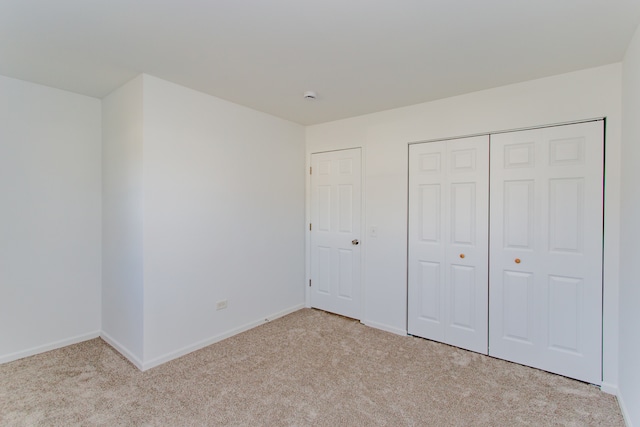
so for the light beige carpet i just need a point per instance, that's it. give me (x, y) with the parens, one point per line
(309, 368)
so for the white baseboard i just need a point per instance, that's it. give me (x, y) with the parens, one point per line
(625, 412)
(48, 347)
(384, 327)
(609, 388)
(121, 349)
(284, 312)
(207, 342)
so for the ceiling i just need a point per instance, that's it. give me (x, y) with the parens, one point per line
(360, 56)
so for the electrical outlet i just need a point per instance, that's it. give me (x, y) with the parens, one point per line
(221, 305)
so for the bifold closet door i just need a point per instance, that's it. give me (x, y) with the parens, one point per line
(448, 241)
(546, 249)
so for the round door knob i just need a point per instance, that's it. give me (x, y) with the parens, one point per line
(355, 242)
(517, 260)
(461, 255)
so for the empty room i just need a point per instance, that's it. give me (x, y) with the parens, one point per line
(319, 213)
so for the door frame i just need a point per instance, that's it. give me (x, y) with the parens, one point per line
(307, 234)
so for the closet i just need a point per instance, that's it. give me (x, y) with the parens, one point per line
(505, 246)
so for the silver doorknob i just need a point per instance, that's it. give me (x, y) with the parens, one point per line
(355, 242)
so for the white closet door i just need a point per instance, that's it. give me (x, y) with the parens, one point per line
(546, 249)
(448, 241)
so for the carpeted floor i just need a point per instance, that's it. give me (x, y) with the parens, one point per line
(309, 368)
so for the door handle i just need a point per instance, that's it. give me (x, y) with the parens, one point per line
(355, 242)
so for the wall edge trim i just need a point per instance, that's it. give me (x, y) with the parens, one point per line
(123, 350)
(609, 388)
(212, 340)
(48, 347)
(623, 408)
(384, 327)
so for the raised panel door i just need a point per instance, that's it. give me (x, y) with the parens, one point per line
(335, 231)
(448, 242)
(546, 249)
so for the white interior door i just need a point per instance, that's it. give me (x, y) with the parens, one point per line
(546, 249)
(448, 241)
(335, 231)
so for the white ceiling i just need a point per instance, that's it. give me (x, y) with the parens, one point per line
(360, 56)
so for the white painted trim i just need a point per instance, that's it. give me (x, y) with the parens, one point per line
(282, 313)
(207, 342)
(384, 327)
(625, 412)
(307, 232)
(548, 125)
(609, 388)
(122, 350)
(48, 347)
(364, 238)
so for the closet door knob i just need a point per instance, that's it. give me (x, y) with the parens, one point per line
(461, 255)
(517, 260)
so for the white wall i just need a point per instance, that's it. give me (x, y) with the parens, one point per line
(49, 218)
(630, 245)
(223, 218)
(122, 251)
(384, 137)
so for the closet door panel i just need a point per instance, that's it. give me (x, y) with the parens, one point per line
(449, 229)
(426, 269)
(546, 249)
